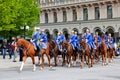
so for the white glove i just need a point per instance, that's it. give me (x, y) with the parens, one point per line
(31, 40)
(41, 40)
(86, 40)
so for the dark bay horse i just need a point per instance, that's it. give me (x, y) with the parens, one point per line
(86, 54)
(53, 52)
(103, 50)
(29, 51)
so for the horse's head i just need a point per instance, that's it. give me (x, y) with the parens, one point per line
(102, 35)
(21, 42)
(82, 43)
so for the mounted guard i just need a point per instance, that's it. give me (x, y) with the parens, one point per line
(77, 39)
(98, 38)
(35, 39)
(89, 40)
(110, 41)
(72, 39)
(43, 39)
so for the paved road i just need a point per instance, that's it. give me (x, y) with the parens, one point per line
(9, 71)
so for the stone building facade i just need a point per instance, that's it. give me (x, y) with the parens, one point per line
(79, 15)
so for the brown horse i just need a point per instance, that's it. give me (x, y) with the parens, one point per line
(53, 52)
(70, 53)
(103, 50)
(97, 50)
(110, 53)
(47, 52)
(86, 54)
(28, 51)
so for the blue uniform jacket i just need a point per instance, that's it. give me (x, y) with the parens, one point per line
(76, 38)
(98, 39)
(44, 37)
(72, 38)
(35, 36)
(88, 38)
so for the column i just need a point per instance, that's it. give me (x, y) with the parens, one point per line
(78, 13)
(103, 11)
(60, 15)
(118, 10)
(42, 17)
(115, 10)
(81, 13)
(69, 14)
(91, 13)
(50, 17)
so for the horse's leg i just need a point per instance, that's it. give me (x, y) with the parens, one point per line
(63, 63)
(48, 57)
(82, 61)
(42, 61)
(33, 61)
(55, 59)
(103, 59)
(89, 59)
(69, 62)
(38, 59)
(24, 60)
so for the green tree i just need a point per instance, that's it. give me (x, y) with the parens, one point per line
(15, 14)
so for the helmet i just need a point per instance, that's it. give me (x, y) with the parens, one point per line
(87, 30)
(42, 30)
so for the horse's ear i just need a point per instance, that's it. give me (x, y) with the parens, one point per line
(16, 39)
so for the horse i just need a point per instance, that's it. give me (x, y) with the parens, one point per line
(29, 51)
(70, 53)
(86, 54)
(111, 53)
(97, 50)
(103, 50)
(53, 50)
(47, 52)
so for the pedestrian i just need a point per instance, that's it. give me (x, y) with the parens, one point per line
(4, 48)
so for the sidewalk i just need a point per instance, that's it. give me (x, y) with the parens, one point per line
(8, 63)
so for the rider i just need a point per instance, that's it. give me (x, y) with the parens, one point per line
(44, 39)
(62, 37)
(98, 39)
(35, 38)
(89, 39)
(106, 40)
(58, 41)
(110, 41)
(77, 39)
(72, 39)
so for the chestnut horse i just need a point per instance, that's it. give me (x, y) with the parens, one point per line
(47, 52)
(70, 53)
(103, 50)
(86, 54)
(29, 51)
(97, 50)
(111, 53)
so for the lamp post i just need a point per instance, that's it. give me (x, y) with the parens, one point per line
(25, 28)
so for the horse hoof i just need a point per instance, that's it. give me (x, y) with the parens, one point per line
(41, 68)
(19, 71)
(69, 66)
(33, 70)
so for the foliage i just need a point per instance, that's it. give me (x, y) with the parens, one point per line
(15, 14)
